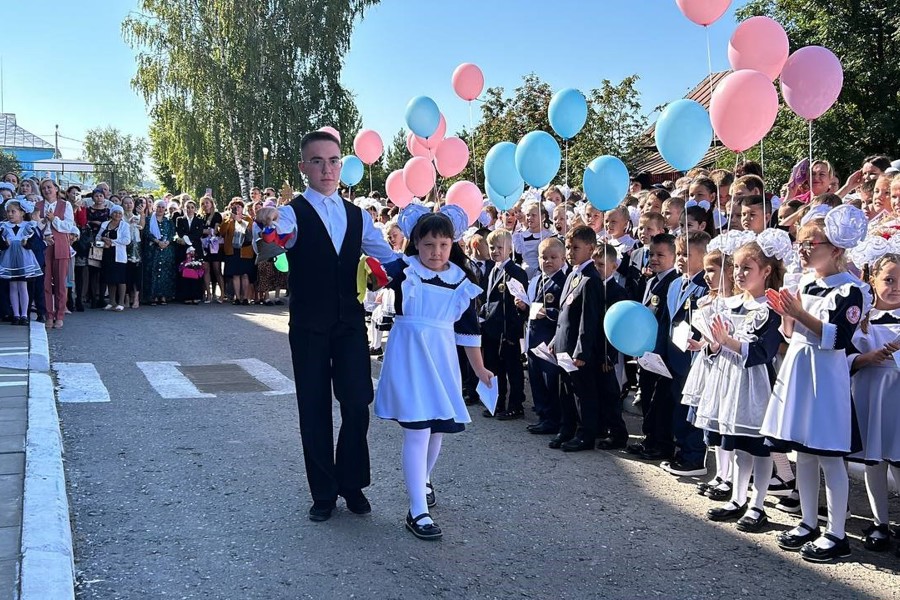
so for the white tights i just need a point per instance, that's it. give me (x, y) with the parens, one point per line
(877, 486)
(837, 491)
(419, 455)
(761, 469)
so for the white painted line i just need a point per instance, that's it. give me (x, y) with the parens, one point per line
(267, 375)
(13, 353)
(14, 348)
(13, 375)
(12, 383)
(169, 382)
(79, 382)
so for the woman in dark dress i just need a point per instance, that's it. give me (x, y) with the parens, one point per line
(212, 250)
(97, 214)
(159, 257)
(115, 235)
(188, 233)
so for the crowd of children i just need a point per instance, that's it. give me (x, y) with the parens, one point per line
(778, 331)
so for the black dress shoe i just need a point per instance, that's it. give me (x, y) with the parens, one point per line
(430, 498)
(719, 493)
(357, 503)
(544, 428)
(558, 440)
(792, 542)
(726, 513)
(813, 553)
(577, 445)
(509, 415)
(878, 537)
(611, 444)
(753, 521)
(321, 511)
(655, 454)
(429, 532)
(486, 413)
(636, 449)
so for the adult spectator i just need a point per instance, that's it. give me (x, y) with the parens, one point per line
(115, 235)
(212, 249)
(159, 256)
(236, 233)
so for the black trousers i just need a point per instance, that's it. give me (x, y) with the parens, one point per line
(657, 407)
(503, 358)
(338, 360)
(610, 422)
(578, 402)
(544, 380)
(467, 374)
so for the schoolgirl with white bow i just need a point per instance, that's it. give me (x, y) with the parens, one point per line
(811, 410)
(18, 262)
(420, 386)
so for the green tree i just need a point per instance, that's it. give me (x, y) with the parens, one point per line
(120, 157)
(865, 36)
(9, 163)
(229, 77)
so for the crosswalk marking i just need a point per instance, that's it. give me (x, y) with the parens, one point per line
(79, 382)
(265, 374)
(169, 382)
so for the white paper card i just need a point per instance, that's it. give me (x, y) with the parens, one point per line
(654, 363)
(565, 361)
(517, 290)
(680, 335)
(535, 309)
(542, 351)
(488, 395)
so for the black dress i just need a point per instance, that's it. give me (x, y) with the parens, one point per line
(114, 273)
(212, 222)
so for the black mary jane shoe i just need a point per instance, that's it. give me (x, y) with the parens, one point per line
(753, 521)
(792, 542)
(719, 493)
(878, 537)
(726, 513)
(813, 553)
(705, 485)
(428, 532)
(430, 498)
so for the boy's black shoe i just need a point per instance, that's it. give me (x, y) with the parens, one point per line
(321, 511)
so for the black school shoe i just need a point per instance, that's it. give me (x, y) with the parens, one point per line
(321, 511)
(878, 537)
(813, 553)
(357, 503)
(719, 493)
(430, 498)
(509, 415)
(791, 542)
(753, 521)
(726, 513)
(430, 532)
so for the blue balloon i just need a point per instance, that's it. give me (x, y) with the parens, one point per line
(606, 182)
(499, 200)
(423, 116)
(631, 328)
(568, 111)
(538, 158)
(500, 168)
(683, 134)
(351, 170)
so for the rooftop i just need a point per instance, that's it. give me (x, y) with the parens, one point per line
(13, 136)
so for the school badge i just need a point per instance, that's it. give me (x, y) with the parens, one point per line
(654, 300)
(502, 287)
(853, 315)
(549, 298)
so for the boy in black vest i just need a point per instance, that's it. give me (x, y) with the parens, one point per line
(502, 328)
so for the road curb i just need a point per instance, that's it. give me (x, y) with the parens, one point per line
(48, 566)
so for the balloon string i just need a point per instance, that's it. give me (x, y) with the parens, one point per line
(474, 153)
(810, 159)
(370, 179)
(567, 162)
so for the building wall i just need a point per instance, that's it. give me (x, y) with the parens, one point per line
(27, 156)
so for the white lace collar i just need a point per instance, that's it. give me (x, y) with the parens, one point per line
(452, 276)
(738, 301)
(836, 280)
(877, 314)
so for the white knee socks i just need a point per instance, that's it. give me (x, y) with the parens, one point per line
(415, 470)
(743, 468)
(877, 486)
(762, 467)
(724, 460)
(434, 449)
(808, 487)
(837, 493)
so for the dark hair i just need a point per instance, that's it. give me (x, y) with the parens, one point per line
(750, 167)
(832, 200)
(582, 233)
(721, 177)
(440, 226)
(752, 182)
(701, 215)
(317, 136)
(880, 161)
(756, 200)
(708, 183)
(606, 252)
(696, 239)
(664, 238)
(661, 193)
(775, 280)
(867, 186)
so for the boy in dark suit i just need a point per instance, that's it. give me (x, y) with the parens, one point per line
(502, 328)
(681, 301)
(633, 266)
(579, 333)
(545, 289)
(610, 426)
(655, 389)
(476, 249)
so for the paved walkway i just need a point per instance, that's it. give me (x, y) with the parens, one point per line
(13, 425)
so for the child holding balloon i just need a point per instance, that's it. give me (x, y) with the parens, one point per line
(818, 421)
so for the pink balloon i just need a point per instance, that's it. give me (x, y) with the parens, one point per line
(410, 137)
(703, 12)
(418, 175)
(432, 142)
(332, 131)
(419, 150)
(811, 81)
(468, 81)
(743, 109)
(468, 197)
(451, 157)
(396, 189)
(368, 146)
(759, 43)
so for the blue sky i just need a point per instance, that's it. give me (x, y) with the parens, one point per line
(401, 49)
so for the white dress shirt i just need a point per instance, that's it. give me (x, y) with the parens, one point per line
(331, 211)
(64, 225)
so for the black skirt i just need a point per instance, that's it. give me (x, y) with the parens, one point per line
(235, 266)
(754, 446)
(114, 273)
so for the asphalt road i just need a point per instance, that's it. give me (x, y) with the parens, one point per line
(207, 497)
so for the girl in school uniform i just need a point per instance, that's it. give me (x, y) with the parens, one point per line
(18, 263)
(420, 385)
(745, 341)
(875, 378)
(811, 410)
